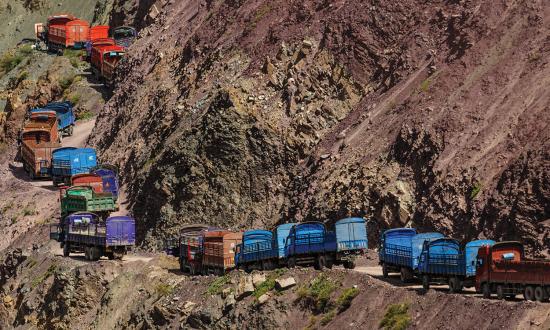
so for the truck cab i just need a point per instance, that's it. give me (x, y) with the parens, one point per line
(487, 256)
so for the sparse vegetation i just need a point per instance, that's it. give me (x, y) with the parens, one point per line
(396, 317)
(29, 210)
(74, 56)
(217, 285)
(476, 189)
(8, 207)
(328, 317)
(31, 262)
(37, 281)
(262, 12)
(311, 323)
(164, 289)
(14, 219)
(83, 115)
(66, 82)
(12, 59)
(344, 300)
(317, 294)
(425, 85)
(74, 98)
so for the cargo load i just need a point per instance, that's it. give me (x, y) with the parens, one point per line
(124, 36)
(219, 251)
(109, 176)
(36, 152)
(88, 179)
(64, 114)
(70, 161)
(84, 199)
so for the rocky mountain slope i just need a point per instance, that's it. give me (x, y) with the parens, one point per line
(251, 113)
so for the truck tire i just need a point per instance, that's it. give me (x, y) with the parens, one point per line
(384, 271)
(66, 250)
(540, 295)
(320, 262)
(110, 255)
(486, 290)
(351, 264)
(403, 275)
(454, 285)
(291, 262)
(71, 130)
(500, 292)
(87, 253)
(426, 282)
(529, 293)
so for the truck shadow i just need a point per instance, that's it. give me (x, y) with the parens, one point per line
(19, 173)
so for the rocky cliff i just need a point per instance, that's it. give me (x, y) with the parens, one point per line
(251, 113)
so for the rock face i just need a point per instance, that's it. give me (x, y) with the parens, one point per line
(285, 283)
(399, 112)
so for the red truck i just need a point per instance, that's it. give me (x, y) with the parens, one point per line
(63, 31)
(104, 59)
(504, 270)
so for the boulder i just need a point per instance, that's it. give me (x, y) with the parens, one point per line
(285, 283)
(245, 287)
(229, 303)
(258, 279)
(226, 292)
(263, 298)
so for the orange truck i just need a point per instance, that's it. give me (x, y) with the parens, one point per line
(63, 31)
(104, 60)
(219, 251)
(39, 138)
(88, 179)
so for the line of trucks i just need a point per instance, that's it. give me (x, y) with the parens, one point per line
(491, 267)
(104, 46)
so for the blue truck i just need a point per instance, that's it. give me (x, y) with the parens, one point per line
(443, 261)
(70, 161)
(83, 232)
(65, 116)
(312, 243)
(109, 176)
(263, 249)
(400, 249)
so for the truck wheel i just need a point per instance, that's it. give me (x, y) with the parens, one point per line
(500, 292)
(66, 250)
(486, 290)
(351, 264)
(384, 271)
(404, 275)
(87, 253)
(529, 293)
(291, 262)
(453, 285)
(111, 255)
(320, 262)
(540, 295)
(426, 282)
(71, 130)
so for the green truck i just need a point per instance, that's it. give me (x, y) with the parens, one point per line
(84, 199)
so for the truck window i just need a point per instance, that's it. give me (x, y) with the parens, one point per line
(479, 262)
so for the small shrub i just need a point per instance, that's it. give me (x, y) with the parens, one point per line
(83, 115)
(74, 98)
(164, 289)
(9, 61)
(28, 211)
(217, 285)
(51, 270)
(396, 317)
(311, 324)
(66, 82)
(8, 207)
(317, 294)
(25, 50)
(14, 219)
(476, 189)
(328, 317)
(425, 85)
(344, 301)
(264, 287)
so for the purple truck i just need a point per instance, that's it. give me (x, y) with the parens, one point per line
(83, 232)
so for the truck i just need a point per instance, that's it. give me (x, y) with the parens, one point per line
(104, 59)
(400, 249)
(36, 152)
(504, 270)
(443, 261)
(188, 249)
(84, 199)
(109, 176)
(88, 179)
(262, 249)
(64, 113)
(124, 36)
(69, 161)
(45, 120)
(97, 43)
(63, 31)
(84, 232)
(311, 243)
(219, 251)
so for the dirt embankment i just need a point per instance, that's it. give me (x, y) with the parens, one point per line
(45, 290)
(245, 114)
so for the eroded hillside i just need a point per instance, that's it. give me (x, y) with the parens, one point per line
(249, 113)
